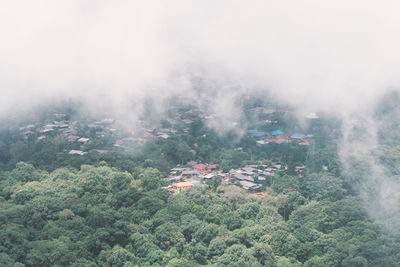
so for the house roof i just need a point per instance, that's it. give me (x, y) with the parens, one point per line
(209, 176)
(76, 152)
(205, 166)
(189, 172)
(256, 133)
(247, 184)
(200, 166)
(243, 177)
(277, 132)
(183, 184)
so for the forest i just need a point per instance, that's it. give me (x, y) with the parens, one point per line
(100, 216)
(114, 209)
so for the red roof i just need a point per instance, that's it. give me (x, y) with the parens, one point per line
(212, 166)
(200, 166)
(205, 166)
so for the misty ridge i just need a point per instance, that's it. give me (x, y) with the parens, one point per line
(142, 65)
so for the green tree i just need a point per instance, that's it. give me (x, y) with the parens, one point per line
(151, 179)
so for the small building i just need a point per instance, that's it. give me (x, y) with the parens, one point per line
(242, 177)
(83, 140)
(205, 168)
(209, 176)
(304, 143)
(77, 152)
(189, 173)
(300, 169)
(46, 130)
(249, 185)
(195, 181)
(177, 171)
(262, 142)
(276, 133)
(163, 136)
(181, 186)
(257, 134)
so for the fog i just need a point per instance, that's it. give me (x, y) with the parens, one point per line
(335, 56)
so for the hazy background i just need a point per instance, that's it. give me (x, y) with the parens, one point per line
(330, 54)
(336, 56)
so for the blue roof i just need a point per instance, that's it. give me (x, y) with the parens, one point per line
(256, 133)
(277, 132)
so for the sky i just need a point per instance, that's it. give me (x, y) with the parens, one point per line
(337, 55)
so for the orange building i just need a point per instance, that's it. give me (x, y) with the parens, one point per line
(182, 186)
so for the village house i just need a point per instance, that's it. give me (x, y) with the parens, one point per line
(181, 186)
(177, 171)
(83, 140)
(249, 185)
(278, 137)
(302, 139)
(46, 130)
(304, 143)
(242, 177)
(209, 176)
(76, 152)
(205, 168)
(257, 134)
(300, 169)
(195, 181)
(189, 173)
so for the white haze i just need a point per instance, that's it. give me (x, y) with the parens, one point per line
(337, 56)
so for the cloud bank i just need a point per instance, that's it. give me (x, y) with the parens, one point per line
(331, 54)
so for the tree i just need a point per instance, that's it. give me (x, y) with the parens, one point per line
(151, 179)
(238, 256)
(321, 186)
(317, 262)
(25, 172)
(235, 195)
(168, 235)
(264, 254)
(53, 252)
(120, 257)
(179, 263)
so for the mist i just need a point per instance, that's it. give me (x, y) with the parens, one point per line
(339, 57)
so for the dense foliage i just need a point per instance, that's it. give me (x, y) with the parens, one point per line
(99, 216)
